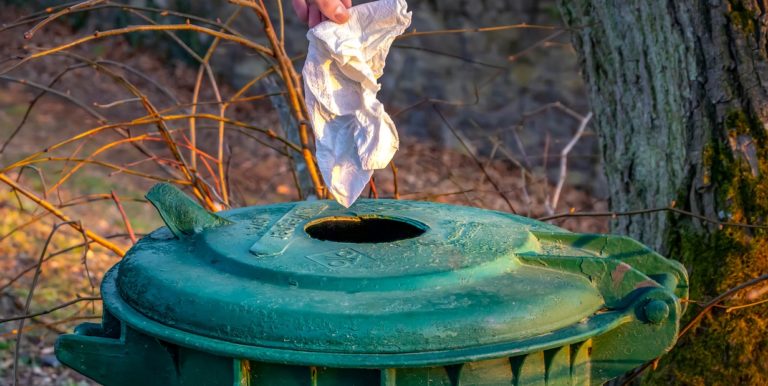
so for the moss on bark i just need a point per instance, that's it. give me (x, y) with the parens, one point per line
(709, 153)
(728, 347)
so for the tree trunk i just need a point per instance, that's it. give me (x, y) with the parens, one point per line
(680, 95)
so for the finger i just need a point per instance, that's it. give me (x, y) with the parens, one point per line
(347, 3)
(314, 15)
(334, 10)
(301, 9)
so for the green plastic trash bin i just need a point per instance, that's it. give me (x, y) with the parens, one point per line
(382, 293)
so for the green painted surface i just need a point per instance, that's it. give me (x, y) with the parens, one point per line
(385, 292)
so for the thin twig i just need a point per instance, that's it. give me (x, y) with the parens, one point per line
(49, 310)
(88, 198)
(41, 320)
(696, 319)
(396, 193)
(73, 202)
(126, 220)
(508, 155)
(23, 225)
(52, 255)
(106, 165)
(292, 84)
(206, 68)
(435, 101)
(79, 6)
(141, 75)
(742, 306)
(476, 30)
(717, 300)
(84, 259)
(32, 104)
(554, 105)
(652, 210)
(477, 161)
(120, 80)
(38, 16)
(552, 205)
(222, 109)
(199, 188)
(526, 196)
(140, 28)
(372, 192)
(28, 302)
(420, 196)
(149, 120)
(39, 175)
(81, 104)
(450, 55)
(284, 151)
(116, 103)
(52, 325)
(90, 159)
(56, 212)
(535, 45)
(281, 17)
(31, 17)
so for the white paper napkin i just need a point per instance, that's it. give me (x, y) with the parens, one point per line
(354, 135)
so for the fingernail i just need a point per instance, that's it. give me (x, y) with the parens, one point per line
(341, 15)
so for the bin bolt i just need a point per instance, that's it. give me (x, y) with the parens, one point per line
(656, 311)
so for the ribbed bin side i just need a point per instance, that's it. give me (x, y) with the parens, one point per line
(567, 365)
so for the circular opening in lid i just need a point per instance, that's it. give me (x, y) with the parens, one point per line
(364, 229)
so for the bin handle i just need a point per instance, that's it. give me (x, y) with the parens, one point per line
(181, 215)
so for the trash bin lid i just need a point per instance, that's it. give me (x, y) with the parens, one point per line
(380, 277)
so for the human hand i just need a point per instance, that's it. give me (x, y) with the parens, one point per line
(313, 12)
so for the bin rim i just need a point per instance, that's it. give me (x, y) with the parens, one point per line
(598, 324)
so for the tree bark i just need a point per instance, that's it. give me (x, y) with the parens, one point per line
(680, 95)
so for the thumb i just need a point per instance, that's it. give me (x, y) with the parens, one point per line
(334, 10)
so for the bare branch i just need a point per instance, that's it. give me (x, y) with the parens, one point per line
(52, 255)
(552, 205)
(697, 318)
(58, 93)
(116, 103)
(138, 28)
(126, 220)
(396, 193)
(477, 161)
(28, 302)
(52, 309)
(79, 6)
(652, 210)
(476, 30)
(56, 212)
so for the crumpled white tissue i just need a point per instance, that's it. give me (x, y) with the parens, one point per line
(354, 135)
